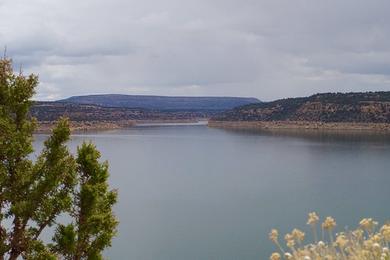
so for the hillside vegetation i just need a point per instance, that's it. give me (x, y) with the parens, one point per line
(369, 107)
(52, 111)
(162, 102)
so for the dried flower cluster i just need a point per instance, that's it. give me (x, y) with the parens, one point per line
(367, 242)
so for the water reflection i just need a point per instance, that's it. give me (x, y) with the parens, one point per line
(320, 135)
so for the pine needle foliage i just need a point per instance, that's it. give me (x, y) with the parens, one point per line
(34, 193)
(95, 224)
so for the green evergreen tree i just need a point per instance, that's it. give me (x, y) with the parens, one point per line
(34, 193)
(95, 223)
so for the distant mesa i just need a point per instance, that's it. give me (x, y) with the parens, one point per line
(162, 103)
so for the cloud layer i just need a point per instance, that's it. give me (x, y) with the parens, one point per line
(261, 48)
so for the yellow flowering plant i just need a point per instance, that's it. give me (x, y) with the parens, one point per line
(367, 242)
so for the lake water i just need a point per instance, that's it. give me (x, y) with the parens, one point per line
(192, 192)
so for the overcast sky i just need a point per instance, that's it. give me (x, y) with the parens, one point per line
(267, 49)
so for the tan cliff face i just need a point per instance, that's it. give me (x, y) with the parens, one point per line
(375, 108)
(316, 111)
(263, 112)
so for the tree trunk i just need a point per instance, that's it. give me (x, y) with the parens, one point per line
(16, 249)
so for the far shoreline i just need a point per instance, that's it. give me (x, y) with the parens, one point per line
(93, 126)
(303, 126)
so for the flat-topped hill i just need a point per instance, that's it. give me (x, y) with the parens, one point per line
(162, 102)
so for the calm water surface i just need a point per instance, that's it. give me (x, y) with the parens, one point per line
(191, 192)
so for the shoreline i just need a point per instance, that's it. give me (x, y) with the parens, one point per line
(302, 125)
(46, 127)
(87, 126)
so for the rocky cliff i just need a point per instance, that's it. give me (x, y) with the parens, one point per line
(369, 107)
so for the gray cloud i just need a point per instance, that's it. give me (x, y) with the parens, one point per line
(267, 49)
